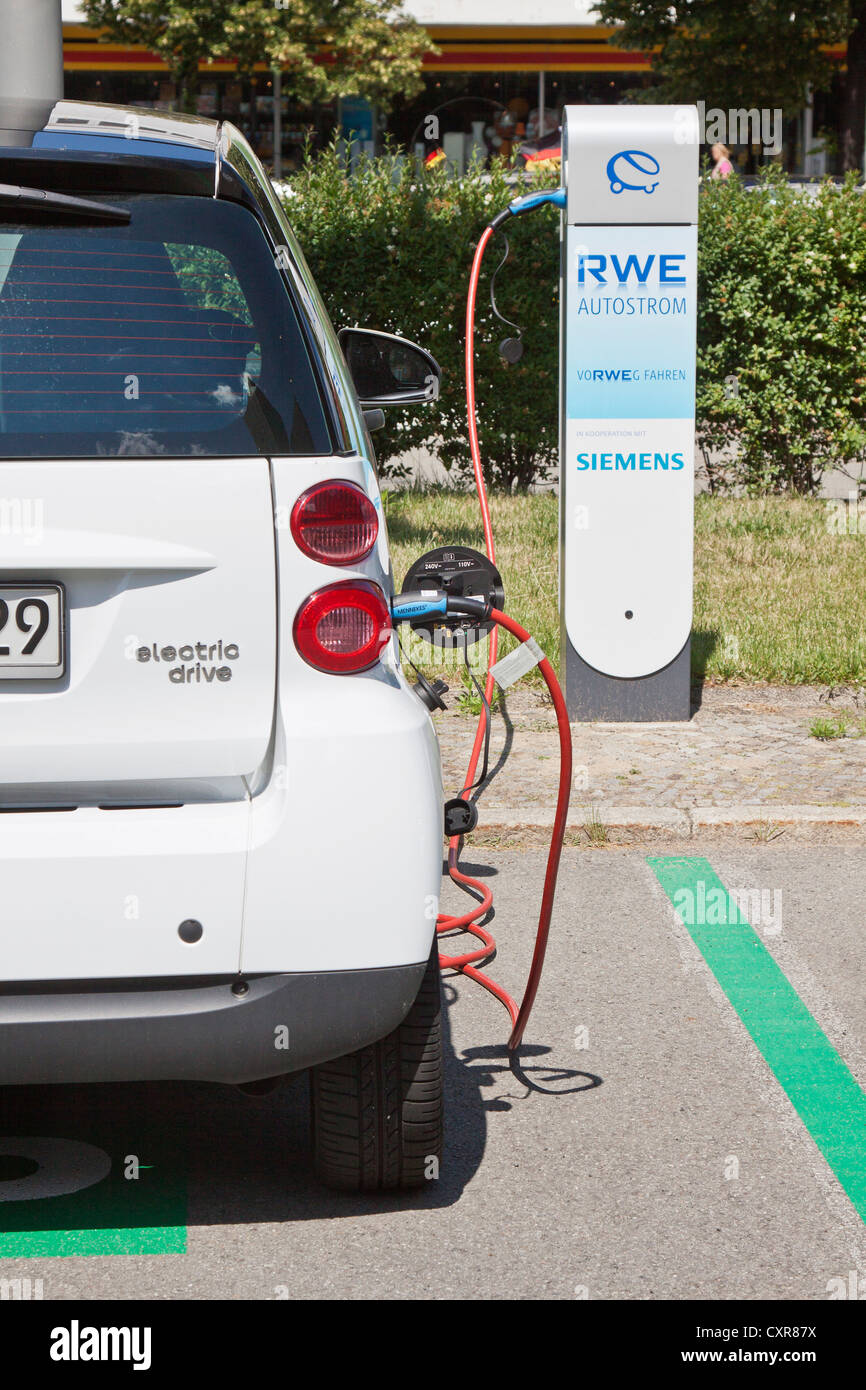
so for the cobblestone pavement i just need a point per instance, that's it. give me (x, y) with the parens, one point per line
(744, 746)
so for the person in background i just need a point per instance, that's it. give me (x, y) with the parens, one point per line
(723, 167)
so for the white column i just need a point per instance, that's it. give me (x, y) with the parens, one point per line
(31, 49)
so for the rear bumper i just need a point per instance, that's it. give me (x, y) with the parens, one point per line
(196, 1030)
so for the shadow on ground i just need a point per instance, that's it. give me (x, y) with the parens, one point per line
(211, 1155)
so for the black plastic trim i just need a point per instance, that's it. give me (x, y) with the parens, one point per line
(199, 1029)
(80, 172)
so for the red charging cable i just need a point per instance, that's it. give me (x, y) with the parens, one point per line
(468, 963)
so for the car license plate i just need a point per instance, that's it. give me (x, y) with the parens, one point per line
(32, 632)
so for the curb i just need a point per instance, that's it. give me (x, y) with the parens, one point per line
(711, 816)
(684, 821)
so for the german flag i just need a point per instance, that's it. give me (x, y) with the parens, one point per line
(543, 159)
(546, 153)
(434, 157)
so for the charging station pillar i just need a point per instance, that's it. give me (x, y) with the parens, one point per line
(627, 407)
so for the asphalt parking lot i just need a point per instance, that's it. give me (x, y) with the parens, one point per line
(667, 1137)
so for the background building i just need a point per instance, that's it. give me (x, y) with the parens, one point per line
(500, 62)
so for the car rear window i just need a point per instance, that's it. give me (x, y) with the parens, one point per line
(172, 335)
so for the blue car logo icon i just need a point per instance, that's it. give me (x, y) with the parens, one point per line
(634, 170)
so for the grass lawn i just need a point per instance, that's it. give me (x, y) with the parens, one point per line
(779, 596)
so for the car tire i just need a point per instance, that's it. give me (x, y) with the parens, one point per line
(377, 1114)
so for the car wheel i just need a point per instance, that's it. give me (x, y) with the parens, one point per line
(377, 1113)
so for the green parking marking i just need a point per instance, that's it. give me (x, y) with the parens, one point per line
(819, 1085)
(126, 1240)
(115, 1216)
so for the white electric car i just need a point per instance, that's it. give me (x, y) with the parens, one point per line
(220, 801)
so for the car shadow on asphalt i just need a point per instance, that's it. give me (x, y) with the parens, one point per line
(211, 1155)
(240, 1159)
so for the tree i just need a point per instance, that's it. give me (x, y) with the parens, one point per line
(764, 54)
(328, 48)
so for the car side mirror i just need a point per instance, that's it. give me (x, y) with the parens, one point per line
(388, 370)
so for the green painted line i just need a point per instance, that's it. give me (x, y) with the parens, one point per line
(810, 1071)
(115, 1216)
(117, 1240)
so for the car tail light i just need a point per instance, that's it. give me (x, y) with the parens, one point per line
(344, 627)
(335, 522)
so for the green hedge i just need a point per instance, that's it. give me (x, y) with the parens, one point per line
(392, 249)
(781, 332)
(781, 316)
